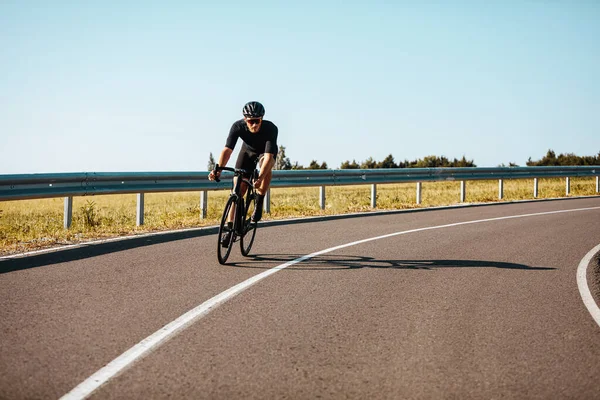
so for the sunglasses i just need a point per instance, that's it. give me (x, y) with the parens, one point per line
(253, 121)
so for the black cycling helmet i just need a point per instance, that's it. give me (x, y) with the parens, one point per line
(253, 109)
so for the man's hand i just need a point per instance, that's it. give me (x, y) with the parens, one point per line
(214, 175)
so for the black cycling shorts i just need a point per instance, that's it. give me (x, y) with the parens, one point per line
(247, 159)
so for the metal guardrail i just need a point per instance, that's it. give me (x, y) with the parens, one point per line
(68, 185)
(33, 186)
(293, 178)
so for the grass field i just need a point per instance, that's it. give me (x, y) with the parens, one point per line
(32, 224)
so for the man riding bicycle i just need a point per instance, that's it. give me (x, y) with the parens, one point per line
(259, 142)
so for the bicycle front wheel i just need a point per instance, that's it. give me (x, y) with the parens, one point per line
(226, 235)
(248, 226)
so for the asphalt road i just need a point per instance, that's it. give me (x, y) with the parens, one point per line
(481, 310)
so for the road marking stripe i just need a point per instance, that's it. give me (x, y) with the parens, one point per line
(584, 290)
(152, 342)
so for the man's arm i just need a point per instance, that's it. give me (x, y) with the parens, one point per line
(223, 159)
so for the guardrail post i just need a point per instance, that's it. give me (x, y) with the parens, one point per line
(68, 217)
(419, 190)
(373, 196)
(322, 197)
(535, 187)
(267, 203)
(463, 191)
(203, 204)
(568, 186)
(500, 189)
(139, 219)
(597, 184)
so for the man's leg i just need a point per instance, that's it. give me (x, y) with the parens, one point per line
(231, 215)
(244, 161)
(262, 191)
(243, 189)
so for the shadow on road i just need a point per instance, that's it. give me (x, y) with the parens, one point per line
(333, 262)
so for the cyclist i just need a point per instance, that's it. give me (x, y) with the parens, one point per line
(259, 138)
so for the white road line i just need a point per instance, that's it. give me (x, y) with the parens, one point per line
(152, 342)
(584, 290)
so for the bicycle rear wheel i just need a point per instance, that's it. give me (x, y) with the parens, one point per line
(224, 251)
(248, 226)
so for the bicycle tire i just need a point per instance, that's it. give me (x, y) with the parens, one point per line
(223, 252)
(249, 227)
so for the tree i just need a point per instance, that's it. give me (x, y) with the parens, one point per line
(428, 162)
(349, 165)
(405, 164)
(315, 165)
(550, 159)
(463, 162)
(211, 162)
(368, 163)
(387, 162)
(282, 162)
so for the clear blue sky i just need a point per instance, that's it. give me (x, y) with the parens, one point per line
(155, 86)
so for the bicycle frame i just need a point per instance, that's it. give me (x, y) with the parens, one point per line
(239, 206)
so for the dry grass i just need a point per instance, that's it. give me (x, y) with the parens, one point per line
(31, 224)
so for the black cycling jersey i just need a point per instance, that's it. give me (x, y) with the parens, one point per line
(263, 141)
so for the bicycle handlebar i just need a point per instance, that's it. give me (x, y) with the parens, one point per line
(236, 171)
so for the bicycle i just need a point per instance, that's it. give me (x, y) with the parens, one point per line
(243, 229)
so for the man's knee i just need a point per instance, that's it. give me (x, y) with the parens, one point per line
(269, 166)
